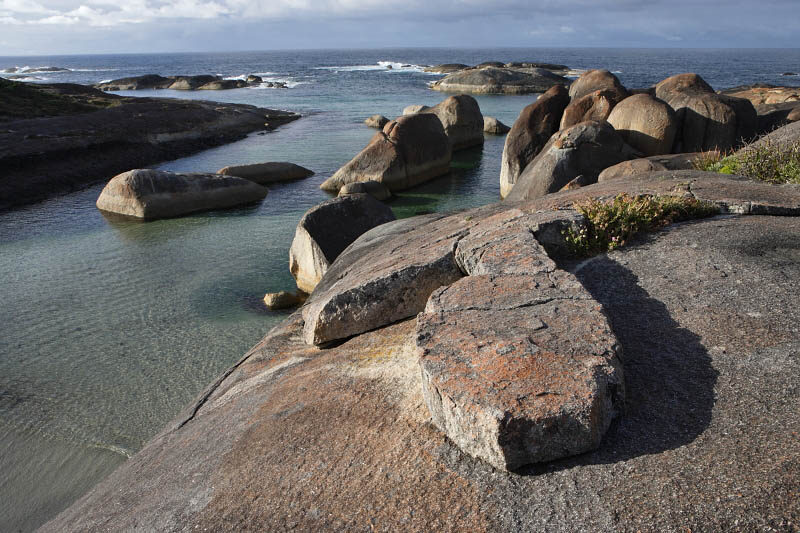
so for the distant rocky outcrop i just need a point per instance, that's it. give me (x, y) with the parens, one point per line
(327, 229)
(492, 80)
(59, 137)
(446, 68)
(533, 128)
(584, 149)
(646, 123)
(151, 194)
(410, 150)
(376, 121)
(492, 126)
(176, 83)
(270, 172)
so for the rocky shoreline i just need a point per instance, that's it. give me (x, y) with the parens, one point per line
(295, 436)
(77, 135)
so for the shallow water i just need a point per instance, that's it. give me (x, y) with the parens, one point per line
(109, 328)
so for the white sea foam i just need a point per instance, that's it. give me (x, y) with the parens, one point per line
(290, 83)
(387, 66)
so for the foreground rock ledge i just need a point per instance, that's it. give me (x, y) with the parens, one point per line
(339, 439)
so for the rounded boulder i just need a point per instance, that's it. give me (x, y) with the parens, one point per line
(646, 123)
(327, 229)
(530, 132)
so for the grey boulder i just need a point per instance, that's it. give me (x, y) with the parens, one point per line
(492, 126)
(596, 80)
(269, 172)
(327, 229)
(530, 132)
(410, 150)
(151, 194)
(376, 121)
(646, 123)
(374, 188)
(584, 149)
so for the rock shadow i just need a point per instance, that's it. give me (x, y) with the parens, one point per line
(669, 377)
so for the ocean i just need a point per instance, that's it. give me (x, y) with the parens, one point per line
(108, 329)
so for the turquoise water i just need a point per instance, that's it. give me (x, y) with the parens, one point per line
(108, 328)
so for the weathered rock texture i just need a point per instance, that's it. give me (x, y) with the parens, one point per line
(596, 105)
(493, 126)
(462, 120)
(519, 364)
(327, 229)
(584, 149)
(410, 150)
(645, 123)
(339, 439)
(596, 80)
(708, 121)
(151, 194)
(271, 172)
(284, 299)
(652, 164)
(533, 128)
(491, 80)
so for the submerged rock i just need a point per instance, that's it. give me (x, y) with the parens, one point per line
(533, 128)
(327, 229)
(151, 194)
(492, 126)
(375, 189)
(269, 172)
(284, 299)
(376, 121)
(410, 150)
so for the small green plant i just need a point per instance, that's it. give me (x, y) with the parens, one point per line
(766, 161)
(610, 225)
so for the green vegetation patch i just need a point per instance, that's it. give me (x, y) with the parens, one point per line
(25, 100)
(611, 224)
(768, 161)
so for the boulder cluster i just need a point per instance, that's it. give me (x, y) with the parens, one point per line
(576, 133)
(415, 147)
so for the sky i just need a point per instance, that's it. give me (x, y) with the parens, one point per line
(48, 27)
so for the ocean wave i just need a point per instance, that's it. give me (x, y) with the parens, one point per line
(387, 66)
(291, 83)
(17, 77)
(51, 70)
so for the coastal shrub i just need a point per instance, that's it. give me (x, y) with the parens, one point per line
(611, 224)
(768, 161)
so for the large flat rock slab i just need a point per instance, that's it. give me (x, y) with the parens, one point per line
(517, 371)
